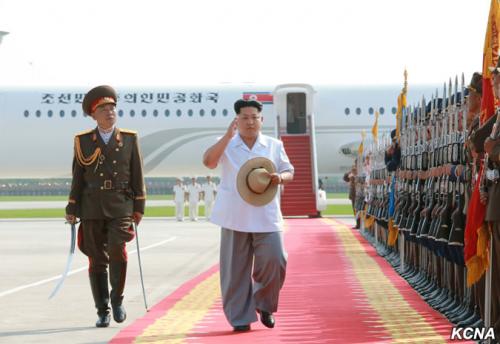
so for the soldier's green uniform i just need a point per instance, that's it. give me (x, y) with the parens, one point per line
(106, 190)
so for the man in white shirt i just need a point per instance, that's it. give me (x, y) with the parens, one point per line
(179, 198)
(209, 191)
(250, 234)
(193, 189)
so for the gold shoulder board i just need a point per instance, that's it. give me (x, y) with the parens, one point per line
(85, 132)
(128, 131)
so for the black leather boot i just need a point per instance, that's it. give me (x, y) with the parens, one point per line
(117, 276)
(100, 292)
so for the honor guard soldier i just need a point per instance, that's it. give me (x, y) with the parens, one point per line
(107, 194)
(179, 199)
(209, 191)
(492, 149)
(193, 189)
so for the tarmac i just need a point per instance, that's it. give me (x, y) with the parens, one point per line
(34, 253)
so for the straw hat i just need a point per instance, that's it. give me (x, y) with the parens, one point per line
(254, 183)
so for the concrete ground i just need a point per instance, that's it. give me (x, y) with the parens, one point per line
(34, 252)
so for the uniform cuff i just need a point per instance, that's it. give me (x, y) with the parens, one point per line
(71, 209)
(139, 205)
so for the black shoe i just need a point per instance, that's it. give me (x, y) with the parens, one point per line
(241, 328)
(119, 313)
(103, 320)
(266, 318)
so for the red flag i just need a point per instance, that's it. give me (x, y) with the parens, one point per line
(476, 231)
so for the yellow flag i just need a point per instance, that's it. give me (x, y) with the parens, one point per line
(401, 106)
(375, 128)
(361, 145)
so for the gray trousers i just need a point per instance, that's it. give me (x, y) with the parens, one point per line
(239, 253)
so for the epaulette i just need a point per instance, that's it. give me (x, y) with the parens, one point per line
(85, 132)
(128, 131)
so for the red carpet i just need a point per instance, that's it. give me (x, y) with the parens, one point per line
(328, 297)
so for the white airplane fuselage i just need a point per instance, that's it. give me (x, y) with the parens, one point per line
(175, 125)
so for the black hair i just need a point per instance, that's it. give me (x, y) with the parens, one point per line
(247, 103)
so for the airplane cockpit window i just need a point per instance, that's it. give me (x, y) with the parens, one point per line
(370, 111)
(26, 113)
(155, 113)
(381, 110)
(202, 112)
(178, 113)
(167, 113)
(358, 111)
(132, 113)
(214, 112)
(61, 113)
(120, 113)
(190, 113)
(347, 111)
(73, 113)
(225, 112)
(394, 110)
(38, 113)
(50, 113)
(144, 113)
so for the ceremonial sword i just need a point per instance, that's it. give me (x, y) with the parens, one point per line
(68, 262)
(140, 265)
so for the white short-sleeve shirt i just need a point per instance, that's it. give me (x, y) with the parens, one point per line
(209, 189)
(194, 192)
(230, 210)
(179, 191)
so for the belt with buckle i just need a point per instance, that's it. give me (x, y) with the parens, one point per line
(108, 185)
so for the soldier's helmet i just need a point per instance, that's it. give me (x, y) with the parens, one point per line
(476, 83)
(98, 96)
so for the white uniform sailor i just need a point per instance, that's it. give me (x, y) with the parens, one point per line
(193, 190)
(209, 191)
(179, 199)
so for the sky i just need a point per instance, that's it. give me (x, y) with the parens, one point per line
(200, 42)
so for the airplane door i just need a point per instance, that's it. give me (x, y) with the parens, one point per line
(296, 113)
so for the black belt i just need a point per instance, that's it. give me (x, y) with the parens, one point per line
(108, 184)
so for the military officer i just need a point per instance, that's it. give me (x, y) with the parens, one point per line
(209, 190)
(193, 189)
(179, 198)
(107, 194)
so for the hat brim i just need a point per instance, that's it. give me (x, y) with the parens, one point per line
(248, 195)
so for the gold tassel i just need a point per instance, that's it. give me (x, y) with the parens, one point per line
(80, 157)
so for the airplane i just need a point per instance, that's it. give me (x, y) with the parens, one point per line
(177, 123)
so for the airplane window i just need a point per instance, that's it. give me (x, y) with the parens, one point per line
(358, 111)
(50, 113)
(225, 112)
(202, 112)
(120, 113)
(167, 113)
(132, 113)
(190, 113)
(178, 113)
(73, 113)
(394, 110)
(26, 113)
(38, 113)
(213, 112)
(370, 111)
(347, 111)
(381, 110)
(61, 113)
(144, 113)
(155, 113)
